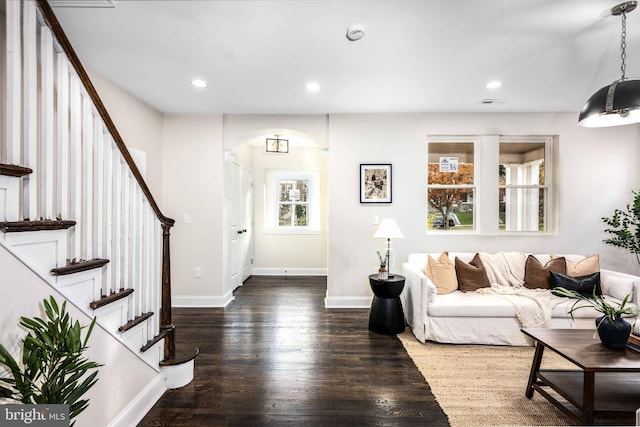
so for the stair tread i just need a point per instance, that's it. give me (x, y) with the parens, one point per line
(184, 354)
(153, 341)
(41, 225)
(108, 299)
(136, 321)
(77, 267)
(14, 170)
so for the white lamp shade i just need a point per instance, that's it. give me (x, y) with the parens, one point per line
(388, 229)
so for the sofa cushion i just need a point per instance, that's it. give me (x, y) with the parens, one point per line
(618, 287)
(442, 273)
(537, 275)
(471, 276)
(470, 304)
(584, 267)
(562, 309)
(583, 284)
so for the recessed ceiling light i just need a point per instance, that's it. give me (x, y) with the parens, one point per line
(199, 83)
(494, 84)
(313, 87)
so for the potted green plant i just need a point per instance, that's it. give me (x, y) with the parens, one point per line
(625, 227)
(383, 273)
(613, 330)
(53, 367)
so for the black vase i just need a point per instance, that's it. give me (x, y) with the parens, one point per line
(613, 334)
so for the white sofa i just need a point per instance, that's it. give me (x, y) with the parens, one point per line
(474, 318)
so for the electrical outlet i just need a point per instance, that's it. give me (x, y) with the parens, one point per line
(376, 220)
(197, 272)
(187, 218)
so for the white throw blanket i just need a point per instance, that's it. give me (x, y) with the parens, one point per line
(505, 271)
(505, 268)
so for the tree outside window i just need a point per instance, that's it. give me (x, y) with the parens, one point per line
(450, 186)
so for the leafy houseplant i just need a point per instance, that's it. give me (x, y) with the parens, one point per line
(612, 328)
(625, 227)
(383, 273)
(53, 367)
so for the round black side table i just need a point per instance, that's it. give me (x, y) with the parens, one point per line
(386, 315)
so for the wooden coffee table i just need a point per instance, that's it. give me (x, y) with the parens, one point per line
(607, 381)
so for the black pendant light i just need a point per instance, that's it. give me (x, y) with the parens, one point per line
(277, 145)
(619, 103)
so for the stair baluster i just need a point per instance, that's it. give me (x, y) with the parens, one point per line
(76, 173)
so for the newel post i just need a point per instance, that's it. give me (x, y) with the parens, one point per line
(166, 325)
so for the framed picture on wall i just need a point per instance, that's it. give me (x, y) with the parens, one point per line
(375, 183)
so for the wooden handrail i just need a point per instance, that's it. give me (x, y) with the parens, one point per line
(50, 17)
(166, 326)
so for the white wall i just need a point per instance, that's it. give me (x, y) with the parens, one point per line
(277, 253)
(284, 254)
(124, 382)
(596, 173)
(193, 184)
(240, 128)
(139, 125)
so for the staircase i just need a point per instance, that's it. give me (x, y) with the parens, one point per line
(73, 205)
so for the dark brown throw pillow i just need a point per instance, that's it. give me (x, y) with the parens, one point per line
(471, 276)
(537, 275)
(583, 284)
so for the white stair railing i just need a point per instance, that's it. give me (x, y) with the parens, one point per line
(56, 125)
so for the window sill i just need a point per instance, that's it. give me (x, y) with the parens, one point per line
(293, 231)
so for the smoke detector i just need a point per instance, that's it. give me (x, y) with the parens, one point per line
(355, 32)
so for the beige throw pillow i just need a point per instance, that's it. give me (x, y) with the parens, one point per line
(584, 267)
(442, 273)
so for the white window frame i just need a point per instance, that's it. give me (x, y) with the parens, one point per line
(272, 202)
(547, 188)
(486, 183)
(475, 186)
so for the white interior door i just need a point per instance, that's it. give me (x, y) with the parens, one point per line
(234, 272)
(246, 238)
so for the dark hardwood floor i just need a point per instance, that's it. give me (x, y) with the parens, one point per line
(276, 357)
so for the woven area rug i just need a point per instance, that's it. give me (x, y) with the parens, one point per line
(478, 385)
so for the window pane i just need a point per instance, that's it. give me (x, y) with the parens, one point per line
(521, 163)
(284, 215)
(522, 209)
(285, 186)
(294, 190)
(301, 215)
(450, 163)
(454, 203)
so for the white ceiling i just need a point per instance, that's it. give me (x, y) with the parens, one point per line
(417, 55)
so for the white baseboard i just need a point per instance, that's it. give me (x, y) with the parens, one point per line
(347, 302)
(289, 271)
(201, 301)
(141, 405)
